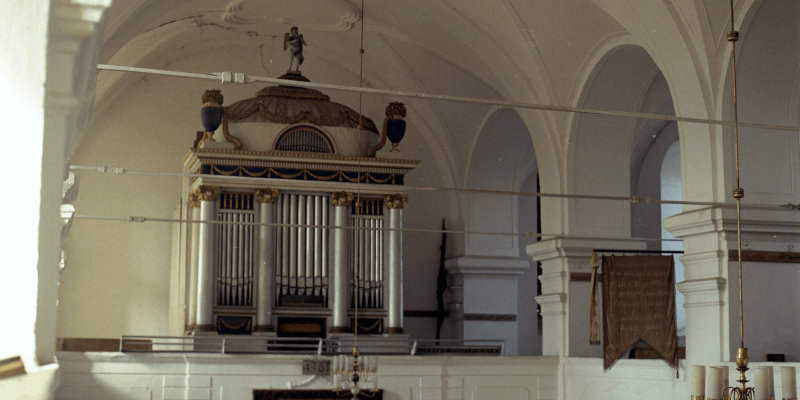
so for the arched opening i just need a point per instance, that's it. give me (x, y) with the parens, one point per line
(503, 159)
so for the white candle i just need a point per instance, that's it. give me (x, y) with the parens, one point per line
(771, 378)
(698, 380)
(725, 378)
(789, 380)
(762, 384)
(714, 383)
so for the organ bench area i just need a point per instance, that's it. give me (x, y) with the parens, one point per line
(264, 254)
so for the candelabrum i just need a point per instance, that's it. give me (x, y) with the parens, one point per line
(764, 388)
(355, 375)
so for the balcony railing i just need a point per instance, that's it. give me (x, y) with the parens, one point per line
(300, 346)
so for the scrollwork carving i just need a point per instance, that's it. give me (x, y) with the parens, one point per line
(396, 201)
(267, 195)
(341, 199)
(207, 193)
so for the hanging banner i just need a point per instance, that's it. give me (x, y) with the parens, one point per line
(639, 304)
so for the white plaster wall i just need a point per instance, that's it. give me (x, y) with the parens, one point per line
(23, 49)
(124, 376)
(770, 309)
(767, 83)
(599, 144)
(529, 342)
(584, 378)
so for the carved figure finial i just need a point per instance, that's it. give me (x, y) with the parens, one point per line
(294, 41)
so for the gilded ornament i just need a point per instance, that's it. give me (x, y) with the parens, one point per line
(396, 201)
(236, 141)
(208, 193)
(267, 195)
(270, 104)
(194, 200)
(341, 199)
(212, 98)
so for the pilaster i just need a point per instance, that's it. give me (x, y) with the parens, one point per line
(565, 302)
(341, 212)
(395, 203)
(266, 259)
(711, 287)
(484, 297)
(205, 273)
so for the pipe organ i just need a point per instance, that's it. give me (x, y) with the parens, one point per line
(302, 253)
(290, 205)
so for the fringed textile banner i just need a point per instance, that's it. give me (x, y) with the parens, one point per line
(639, 304)
(594, 304)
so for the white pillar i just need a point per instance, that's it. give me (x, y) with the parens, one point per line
(206, 250)
(566, 292)
(395, 204)
(341, 211)
(266, 259)
(194, 204)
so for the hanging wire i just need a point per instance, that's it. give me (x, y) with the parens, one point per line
(142, 219)
(635, 200)
(457, 99)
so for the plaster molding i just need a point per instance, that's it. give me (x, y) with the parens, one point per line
(348, 15)
(766, 227)
(553, 304)
(475, 265)
(703, 292)
(565, 247)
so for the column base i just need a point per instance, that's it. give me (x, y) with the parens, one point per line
(395, 331)
(204, 330)
(263, 328)
(339, 329)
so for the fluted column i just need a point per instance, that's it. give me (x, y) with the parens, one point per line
(341, 212)
(395, 204)
(205, 260)
(194, 205)
(266, 259)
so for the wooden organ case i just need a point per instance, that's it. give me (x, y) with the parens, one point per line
(282, 186)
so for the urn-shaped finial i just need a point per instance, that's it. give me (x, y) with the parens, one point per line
(211, 112)
(395, 126)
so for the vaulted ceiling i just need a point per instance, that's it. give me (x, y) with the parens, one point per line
(534, 51)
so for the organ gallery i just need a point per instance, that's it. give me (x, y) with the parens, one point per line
(265, 255)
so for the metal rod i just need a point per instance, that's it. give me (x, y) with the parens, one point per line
(345, 227)
(638, 200)
(738, 199)
(457, 99)
(639, 251)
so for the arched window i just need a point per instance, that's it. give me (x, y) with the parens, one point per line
(304, 138)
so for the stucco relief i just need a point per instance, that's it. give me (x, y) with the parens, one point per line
(323, 15)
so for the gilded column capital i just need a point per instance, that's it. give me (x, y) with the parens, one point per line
(396, 201)
(341, 199)
(207, 193)
(194, 200)
(267, 195)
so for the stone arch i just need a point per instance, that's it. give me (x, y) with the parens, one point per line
(603, 150)
(502, 158)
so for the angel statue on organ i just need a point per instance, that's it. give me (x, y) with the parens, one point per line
(295, 42)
